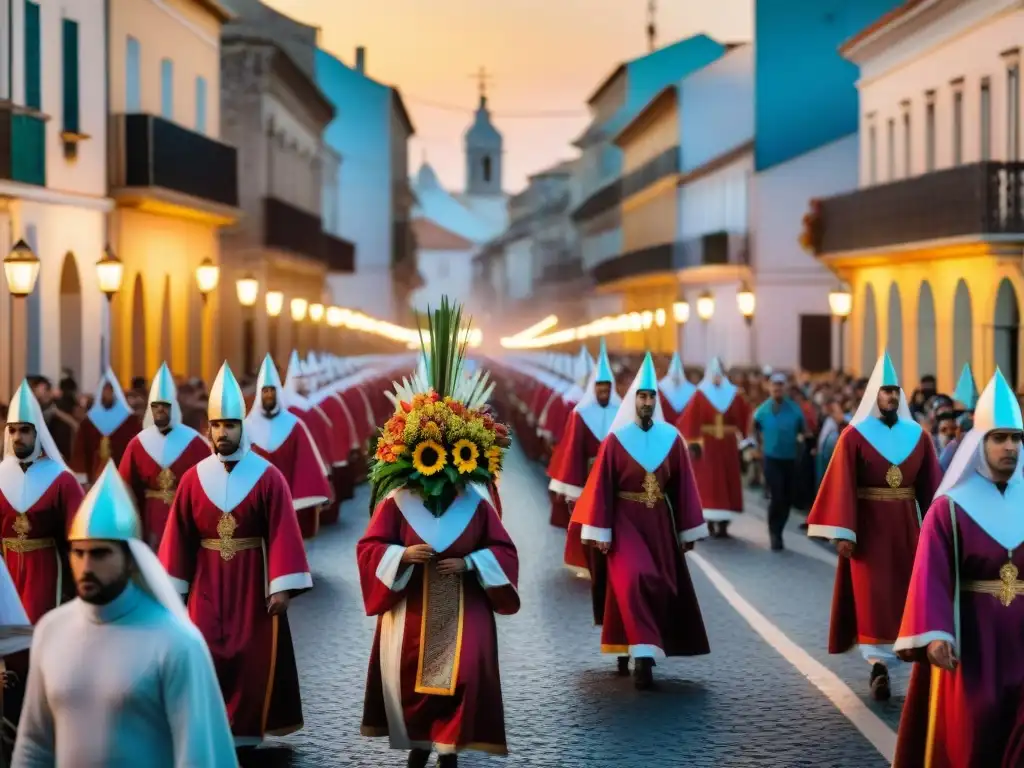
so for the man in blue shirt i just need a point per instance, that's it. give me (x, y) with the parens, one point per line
(780, 428)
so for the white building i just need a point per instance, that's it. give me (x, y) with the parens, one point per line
(53, 182)
(371, 134)
(931, 241)
(451, 227)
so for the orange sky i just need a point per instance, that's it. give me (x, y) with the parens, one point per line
(544, 55)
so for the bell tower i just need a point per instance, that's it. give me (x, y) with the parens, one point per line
(483, 146)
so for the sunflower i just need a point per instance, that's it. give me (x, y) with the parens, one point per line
(464, 455)
(429, 458)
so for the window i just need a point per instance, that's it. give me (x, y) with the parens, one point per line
(986, 120)
(167, 88)
(487, 168)
(872, 155)
(70, 60)
(133, 77)
(958, 126)
(929, 128)
(201, 104)
(907, 160)
(33, 57)
(1013, 112)
(891, 160)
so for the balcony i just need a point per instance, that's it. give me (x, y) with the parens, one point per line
(150, 152)
(607, 197)
(562, 272)
(718, 249)
(654, 170)
(22, 146)
(339, 254)
(977, 200)
(287, 228)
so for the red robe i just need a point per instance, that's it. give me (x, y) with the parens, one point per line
(341, 470)
(650, 607)
(298, 460)
(92, 449)
(717, 471)
(365, 425)
(433, 679)
(252, 651)
(570, 465)
(871, 587)
(152, 465)
(36, 510)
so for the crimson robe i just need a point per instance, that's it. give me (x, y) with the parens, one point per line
(365, 426)
(555, 419)
(871, 587)
(718, 473)
(433, 680)
(152, 465)
(570, 465)
(252, 651)
(650, 607)
(975, 706)
(341, 470)
(92, 449)
(36, 510)
(298, 460)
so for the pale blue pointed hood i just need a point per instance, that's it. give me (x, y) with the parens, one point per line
(889, 377)
(997, 407)
(226, 401)
(966, 392)
(675, 368)
(647, 378)
(604, 366)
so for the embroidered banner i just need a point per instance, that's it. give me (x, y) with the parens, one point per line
(440, 633)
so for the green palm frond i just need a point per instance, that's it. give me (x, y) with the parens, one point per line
(447, 347)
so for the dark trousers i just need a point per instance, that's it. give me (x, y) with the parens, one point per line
(780, 477)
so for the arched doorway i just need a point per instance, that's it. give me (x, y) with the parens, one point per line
(1006, 331)
(71, 319)
(869, 334)
(165, 323)
(138, 365)
(927, 348)
(963, 347)
(894, 331)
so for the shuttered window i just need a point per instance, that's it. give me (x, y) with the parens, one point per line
(71, 109)
(201, 104)
(133, 76)
(33, 57)
(167, 88)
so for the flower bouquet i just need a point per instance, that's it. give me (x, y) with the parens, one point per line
(441, 437)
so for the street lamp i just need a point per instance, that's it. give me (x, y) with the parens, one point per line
(335, 317)
(21, 268)
(248, 290)
(705, 306)
(316, 312)
(275, 303)
(746, 302)
(840, 302)
(299, 307)
(207, 277)
(659, 317)
(109, 276)
(681, 312)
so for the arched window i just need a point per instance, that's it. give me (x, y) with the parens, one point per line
(487, 168)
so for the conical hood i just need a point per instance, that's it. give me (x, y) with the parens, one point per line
(675, 368)
(268, 375)
(966, 392)
(604, 366)
(107, 511)
(23, 406)
(889, 377)
(163, 389)
(582, 367)
(997, 407)
(226, 401)
(647, 379)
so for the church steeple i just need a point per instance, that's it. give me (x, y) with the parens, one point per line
(483, 149)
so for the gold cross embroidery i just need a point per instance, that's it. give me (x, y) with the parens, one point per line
(1008, 580)
(652, 491)
(719, 426)
(226, 531)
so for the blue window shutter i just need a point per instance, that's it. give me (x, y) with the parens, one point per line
(133, 77)
(167, 89)
(33, 57)
(71, 110)
(201, 104)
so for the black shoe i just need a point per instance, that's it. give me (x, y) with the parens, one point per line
(776, 541)
(880, 690)
(623, 666)
(447, 761)
(643, 674)
(723, 530)
(418, 758)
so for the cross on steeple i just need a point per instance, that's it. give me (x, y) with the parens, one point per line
(652, 24)
(482, 79)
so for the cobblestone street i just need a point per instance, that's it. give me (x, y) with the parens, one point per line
(744, 705)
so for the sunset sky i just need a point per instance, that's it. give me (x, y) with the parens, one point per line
(544, 56)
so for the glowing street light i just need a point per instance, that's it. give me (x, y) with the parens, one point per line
(681, 312)
(747, 302)
(21, 267)
(109, 273)
(248, 289)
(840, 301)
(316, 312)
(705, 306)
(299, 307)
(335, 317)
(207, 277)
(275, 303)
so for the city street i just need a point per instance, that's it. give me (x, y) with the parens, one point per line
(768, 695)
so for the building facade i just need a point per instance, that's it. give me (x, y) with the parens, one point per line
(53, 184)
(931, 240)
(371, 134)
(276, 115)
(173, 179)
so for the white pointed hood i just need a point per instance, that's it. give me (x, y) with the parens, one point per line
(674, 385)
(720, 396)
(106, 420)
(291, 383)
(24, 409)
(648, 448)
(227, 403)
(163, 390)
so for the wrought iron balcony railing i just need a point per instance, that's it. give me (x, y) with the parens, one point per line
(715, 249)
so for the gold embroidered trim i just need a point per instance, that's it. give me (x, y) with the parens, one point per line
(228, 548)
(104, 449)
(886, 494)
(441, 625)
(1007, 588)
(22, 544)
(166, 485)
(650, 496)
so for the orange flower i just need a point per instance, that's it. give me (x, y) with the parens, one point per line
(406, 407)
